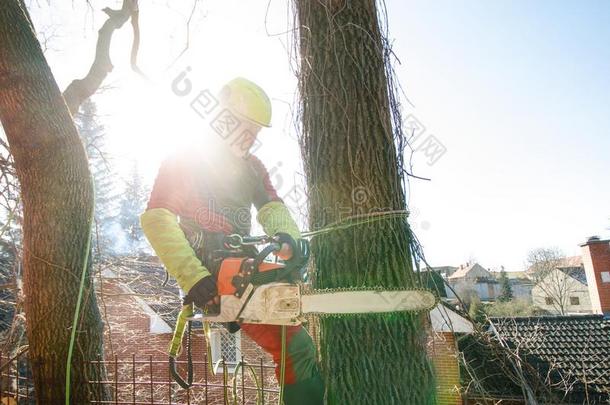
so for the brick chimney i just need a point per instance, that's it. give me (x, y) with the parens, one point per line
(596, 259)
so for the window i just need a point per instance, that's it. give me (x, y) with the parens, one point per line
(225, 345)
(574, 301)
(548, 301)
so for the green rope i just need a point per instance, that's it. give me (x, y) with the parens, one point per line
(175, 346)
(259, 391)
(225, 382)
(81, 289)
(208, 348)
(356, 220)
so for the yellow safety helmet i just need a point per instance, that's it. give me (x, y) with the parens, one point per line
(247, 100)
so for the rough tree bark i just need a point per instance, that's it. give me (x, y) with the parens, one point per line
(352, 167)
(57, 197)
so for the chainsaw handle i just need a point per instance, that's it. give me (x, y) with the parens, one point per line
(236, 241)
(272, 247)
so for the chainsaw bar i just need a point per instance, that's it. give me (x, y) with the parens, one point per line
(366, 301)
(285, 303)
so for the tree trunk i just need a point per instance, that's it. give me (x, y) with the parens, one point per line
(352, 167)
(57, 195)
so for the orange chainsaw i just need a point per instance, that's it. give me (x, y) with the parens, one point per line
(254, 289)
(257, 290)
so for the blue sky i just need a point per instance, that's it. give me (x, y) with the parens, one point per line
(517, 92)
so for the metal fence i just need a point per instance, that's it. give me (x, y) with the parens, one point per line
(16, 380)
(147, 380)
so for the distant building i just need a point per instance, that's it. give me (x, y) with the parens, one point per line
(474, 280)
(443, 271)
(596, 261)
(580, 284)
(470, 272)
(570, 261)
(563, 291)
(554, 359)
(522, 288)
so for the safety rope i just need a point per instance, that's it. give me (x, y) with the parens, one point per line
(360, 219)
(79, 299)
(225, 381)
(259, 391)
(175, 347)
(207, 331)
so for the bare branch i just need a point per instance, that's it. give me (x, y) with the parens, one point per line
(81, 89)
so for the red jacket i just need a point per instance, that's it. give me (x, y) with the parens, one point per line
(215, 192)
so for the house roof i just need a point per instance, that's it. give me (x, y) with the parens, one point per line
(463, 272)
(442, 269)
(571, 261)
(446, 319)
(145, 278)
(575, 349)
(577, 273)
(562, 359)
(514, 275)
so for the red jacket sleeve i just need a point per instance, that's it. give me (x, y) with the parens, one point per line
(265, 191)
(169, 190)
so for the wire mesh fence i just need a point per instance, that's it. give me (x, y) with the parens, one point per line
(147, 380)
(16, 385)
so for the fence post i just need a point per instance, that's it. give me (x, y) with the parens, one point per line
(133, 378)
(99, 377)
(205, 375)
(243, 391)
(262, 382)
(225, 384)
(1, 371)
(27, 385)
(150, 363)
(27, 380)
(116, 379)
(17, 378)
(169, 381)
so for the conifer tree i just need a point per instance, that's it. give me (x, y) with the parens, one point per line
(133, 204)
(93, 136)
(506, 293)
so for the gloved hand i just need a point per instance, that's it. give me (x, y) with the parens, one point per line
(295, 251)
(202, 293)
(287, 246)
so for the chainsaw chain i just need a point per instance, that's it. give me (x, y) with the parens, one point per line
(375, 288)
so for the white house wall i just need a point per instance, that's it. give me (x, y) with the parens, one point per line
(574, 288)
(488, 291)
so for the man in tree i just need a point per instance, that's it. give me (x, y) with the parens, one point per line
(201, 195)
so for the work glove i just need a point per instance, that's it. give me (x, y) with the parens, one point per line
(287, 245)
(298, 251)
(202, 293)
